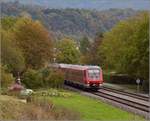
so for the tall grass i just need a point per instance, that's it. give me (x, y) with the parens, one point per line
(37, 109)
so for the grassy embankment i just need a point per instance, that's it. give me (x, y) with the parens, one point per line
(71, 106)
(12, 108)
(92, 109)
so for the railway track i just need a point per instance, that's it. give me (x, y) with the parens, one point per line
(135, 103)
(130, 94)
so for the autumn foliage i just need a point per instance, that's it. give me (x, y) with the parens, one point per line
(34, 41)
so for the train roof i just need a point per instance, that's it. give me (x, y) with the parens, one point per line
(78, 67)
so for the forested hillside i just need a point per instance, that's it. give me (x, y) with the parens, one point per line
(90, 4)
(71, 22)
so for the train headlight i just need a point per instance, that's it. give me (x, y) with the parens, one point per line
(100, 84)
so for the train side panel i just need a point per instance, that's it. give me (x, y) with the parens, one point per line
(85, 76)
(75, 76)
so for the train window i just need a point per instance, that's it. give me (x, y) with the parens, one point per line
(94, 74)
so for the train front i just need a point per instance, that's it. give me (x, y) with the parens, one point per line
(94, 77)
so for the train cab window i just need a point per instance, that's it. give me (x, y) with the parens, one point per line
(94, 74)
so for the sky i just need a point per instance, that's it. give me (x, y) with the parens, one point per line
(91, 4)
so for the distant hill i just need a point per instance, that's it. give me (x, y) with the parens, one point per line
(71, 22)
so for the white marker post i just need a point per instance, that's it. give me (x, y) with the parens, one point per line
(138, 85)
(54, 58)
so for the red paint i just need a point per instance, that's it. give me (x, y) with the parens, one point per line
(79, 74)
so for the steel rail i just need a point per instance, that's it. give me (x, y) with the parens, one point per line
(120, 100)
(134, 105)
(130, 94)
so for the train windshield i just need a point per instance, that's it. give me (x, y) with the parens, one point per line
(94, 74)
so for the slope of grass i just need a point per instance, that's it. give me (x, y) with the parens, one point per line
(92, 109)
(12, 108)
(61, 105)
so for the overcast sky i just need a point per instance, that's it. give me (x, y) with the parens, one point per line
(91, 4)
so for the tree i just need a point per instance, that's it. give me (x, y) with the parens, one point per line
(97, 56)
(84, 45)
(126, 46)
(8, 23)
(35, 42)
(93, 55)
(11, 55)
(67, 51)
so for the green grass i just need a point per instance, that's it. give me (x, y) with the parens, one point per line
(76, 106)
(92, 109)
(40, 109)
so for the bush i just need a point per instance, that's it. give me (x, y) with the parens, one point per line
(6, 78)
(52, 77)
(55, 79)
(43, 78)
(52, 93)
(33, 79)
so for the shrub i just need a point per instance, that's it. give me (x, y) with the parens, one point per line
(43, 78)
(55, 79)
(32, 79)
(52, 78)
(6, 78)
(52, 93)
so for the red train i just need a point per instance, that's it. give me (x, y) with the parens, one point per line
(83, 76)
